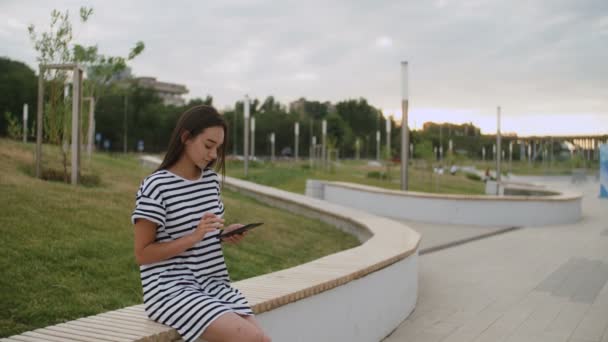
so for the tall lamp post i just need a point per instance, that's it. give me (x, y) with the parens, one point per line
(252, 137)
(91, 128)
(388, 137)
(378, 145)
(498, 149)
(405, 137)
(297, 141)
(25, 109)
(246, 135)
(324, 142)
(272, 147)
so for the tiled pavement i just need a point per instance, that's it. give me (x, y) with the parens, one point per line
(532, 284)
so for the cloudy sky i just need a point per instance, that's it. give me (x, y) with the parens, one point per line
(545, 61)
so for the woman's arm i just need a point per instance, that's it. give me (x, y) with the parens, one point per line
(148, 252)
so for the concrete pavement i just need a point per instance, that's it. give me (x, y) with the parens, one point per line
(532, 284)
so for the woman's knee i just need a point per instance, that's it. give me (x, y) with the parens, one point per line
(259, 337)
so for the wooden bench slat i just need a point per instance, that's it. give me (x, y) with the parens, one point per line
(131, 315)
(59, 332)
(135, 308)
(90, 327)
(132, 312)
(82, 331)
(77, 329)
(128, 328)
(135, 319)
(119, 324)
(45, 337)
(138, 321)
(27, 338)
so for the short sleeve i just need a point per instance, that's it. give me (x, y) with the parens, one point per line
(149, 208)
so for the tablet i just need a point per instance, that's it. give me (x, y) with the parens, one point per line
(240, 230)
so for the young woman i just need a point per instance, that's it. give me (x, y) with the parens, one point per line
(177, 218)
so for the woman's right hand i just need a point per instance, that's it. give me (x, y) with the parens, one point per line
(208, 223)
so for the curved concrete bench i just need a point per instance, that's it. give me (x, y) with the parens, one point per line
(360, 294)
(497, 211)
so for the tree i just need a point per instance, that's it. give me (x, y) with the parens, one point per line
(54, 46)
(17, 86)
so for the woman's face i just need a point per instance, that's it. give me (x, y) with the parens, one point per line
(203, 148)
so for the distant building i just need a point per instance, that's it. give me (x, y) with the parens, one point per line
(170, 93)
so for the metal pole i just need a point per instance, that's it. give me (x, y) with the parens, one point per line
(510, 156)
(252, 137)
(297, 142)
(405, 138)
(378, 145)
(272, 146)
(236, 116)
(323, 142)
(498, 149)
(124, 126)
(76, 97)
(25, 113)
(39, 123)
(91, 132)
(312, 150)
(388, 137)
(246, 135)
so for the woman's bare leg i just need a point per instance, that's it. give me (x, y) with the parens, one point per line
(231, 327)
(251, 319)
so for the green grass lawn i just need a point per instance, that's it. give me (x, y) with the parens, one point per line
(291, 176)
(67, 252)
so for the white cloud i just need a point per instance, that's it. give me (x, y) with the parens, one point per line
(306, 76)
(384, 42)
(466, 56)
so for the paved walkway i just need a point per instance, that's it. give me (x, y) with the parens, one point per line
(532, 284)
(439, 236)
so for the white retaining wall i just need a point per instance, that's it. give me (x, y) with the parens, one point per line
(497, 211)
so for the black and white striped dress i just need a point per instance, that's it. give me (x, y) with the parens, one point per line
(191, 290)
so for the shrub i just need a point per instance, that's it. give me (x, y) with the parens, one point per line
(473, 176)
(377, 175)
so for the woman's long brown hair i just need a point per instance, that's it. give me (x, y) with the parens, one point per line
(194, 121)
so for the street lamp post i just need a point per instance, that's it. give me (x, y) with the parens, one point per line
(378, 145)
(324, 141)
(25, 122)
(252, 137)
(498, 149)
(388, 137)
(246, 135)
(297, 141)
(405, 138)
(91, 128)
(272, 147)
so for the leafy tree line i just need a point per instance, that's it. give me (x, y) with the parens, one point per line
(149, 120)
(124, 109)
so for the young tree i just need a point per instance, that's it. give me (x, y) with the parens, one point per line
(55, 46)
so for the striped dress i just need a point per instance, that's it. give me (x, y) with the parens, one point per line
(192, 289)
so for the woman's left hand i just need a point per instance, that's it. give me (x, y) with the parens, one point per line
(234, 238)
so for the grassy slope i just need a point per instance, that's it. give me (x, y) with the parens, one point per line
(67, 252)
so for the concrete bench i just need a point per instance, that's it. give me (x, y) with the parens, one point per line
(125, 325)
(320, 292)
